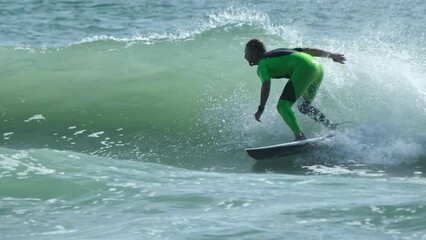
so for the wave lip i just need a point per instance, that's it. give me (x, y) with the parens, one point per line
(231, 17)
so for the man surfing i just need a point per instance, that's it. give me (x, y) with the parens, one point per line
(305, 75)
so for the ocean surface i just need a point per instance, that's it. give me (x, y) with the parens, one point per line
(128, 120)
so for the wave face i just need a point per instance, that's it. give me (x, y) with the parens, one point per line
(186, 96)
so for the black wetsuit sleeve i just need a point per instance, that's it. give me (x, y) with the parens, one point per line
(298, 49)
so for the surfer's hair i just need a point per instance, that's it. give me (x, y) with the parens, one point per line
(256, 45)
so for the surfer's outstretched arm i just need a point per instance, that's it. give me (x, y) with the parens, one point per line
(264, 94)
(337, 57)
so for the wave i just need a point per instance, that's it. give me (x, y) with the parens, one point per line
(231, 17)
(191, 95)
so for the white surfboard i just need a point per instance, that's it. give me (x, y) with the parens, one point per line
(284, 149)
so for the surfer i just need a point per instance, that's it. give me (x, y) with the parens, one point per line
(304, 73)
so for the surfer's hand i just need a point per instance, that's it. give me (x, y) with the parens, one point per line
(337, 57)
(257, 115)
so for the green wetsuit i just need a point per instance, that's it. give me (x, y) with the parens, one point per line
(305, 75)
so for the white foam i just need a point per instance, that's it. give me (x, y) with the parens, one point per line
(96, 134)
(79, 132)
(7, 135)
(232, 16)
(37, 117)
(378, 144)
(22, 164)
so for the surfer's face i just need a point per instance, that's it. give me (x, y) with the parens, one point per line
(251, 57)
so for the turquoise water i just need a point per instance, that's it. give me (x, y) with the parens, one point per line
(128, 120)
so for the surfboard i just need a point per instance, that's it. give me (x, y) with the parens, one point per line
(284, 149)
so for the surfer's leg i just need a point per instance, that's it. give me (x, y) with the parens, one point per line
(305, 106)
(295, 87)
(284, 106)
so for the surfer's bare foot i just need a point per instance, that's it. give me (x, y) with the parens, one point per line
(299, 137)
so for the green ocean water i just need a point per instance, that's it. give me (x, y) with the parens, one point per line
(129, 119)
(49, 195)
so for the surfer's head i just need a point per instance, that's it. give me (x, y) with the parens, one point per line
(254, 51)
